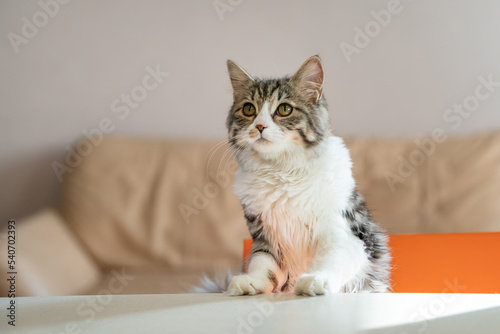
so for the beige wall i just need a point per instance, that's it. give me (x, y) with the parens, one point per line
(68, 74)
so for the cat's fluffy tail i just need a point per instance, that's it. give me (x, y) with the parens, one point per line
(216, 284)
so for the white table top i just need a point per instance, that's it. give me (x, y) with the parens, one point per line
(271, 313)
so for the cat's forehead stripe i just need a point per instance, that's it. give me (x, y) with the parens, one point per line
(266, 89)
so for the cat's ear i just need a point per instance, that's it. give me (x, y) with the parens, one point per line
(240, 79)
(309, 79)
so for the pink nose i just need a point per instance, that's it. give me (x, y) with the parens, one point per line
(260, 127)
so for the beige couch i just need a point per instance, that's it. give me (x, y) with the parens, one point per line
(149, 216)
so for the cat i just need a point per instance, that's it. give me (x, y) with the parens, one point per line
(312, 233)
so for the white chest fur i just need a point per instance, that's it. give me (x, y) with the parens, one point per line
(298, 198)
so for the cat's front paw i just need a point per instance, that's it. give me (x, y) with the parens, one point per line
(311, 285)
(245, 285)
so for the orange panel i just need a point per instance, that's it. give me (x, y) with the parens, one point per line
(456, 262)
(442, 263)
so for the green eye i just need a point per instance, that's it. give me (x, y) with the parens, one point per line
(284, 110)
(248, 109)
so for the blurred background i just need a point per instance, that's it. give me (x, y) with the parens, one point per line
(62, 71)
(75, 71)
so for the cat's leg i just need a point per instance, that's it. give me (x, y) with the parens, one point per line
(339, 258)
(263, 276)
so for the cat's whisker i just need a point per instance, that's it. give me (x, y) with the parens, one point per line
(236, 150)
(229, 150)
(212, 152)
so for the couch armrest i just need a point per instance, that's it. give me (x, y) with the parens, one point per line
(50, 260)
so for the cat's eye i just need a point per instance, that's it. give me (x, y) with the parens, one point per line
(284, 110)
(248, 110)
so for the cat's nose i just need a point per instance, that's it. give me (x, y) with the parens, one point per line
(260, 127)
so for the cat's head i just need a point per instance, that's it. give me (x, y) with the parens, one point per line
(275, 116)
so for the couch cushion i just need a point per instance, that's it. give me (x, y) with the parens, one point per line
(50, 259)
(135, 202)
(461, 187)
